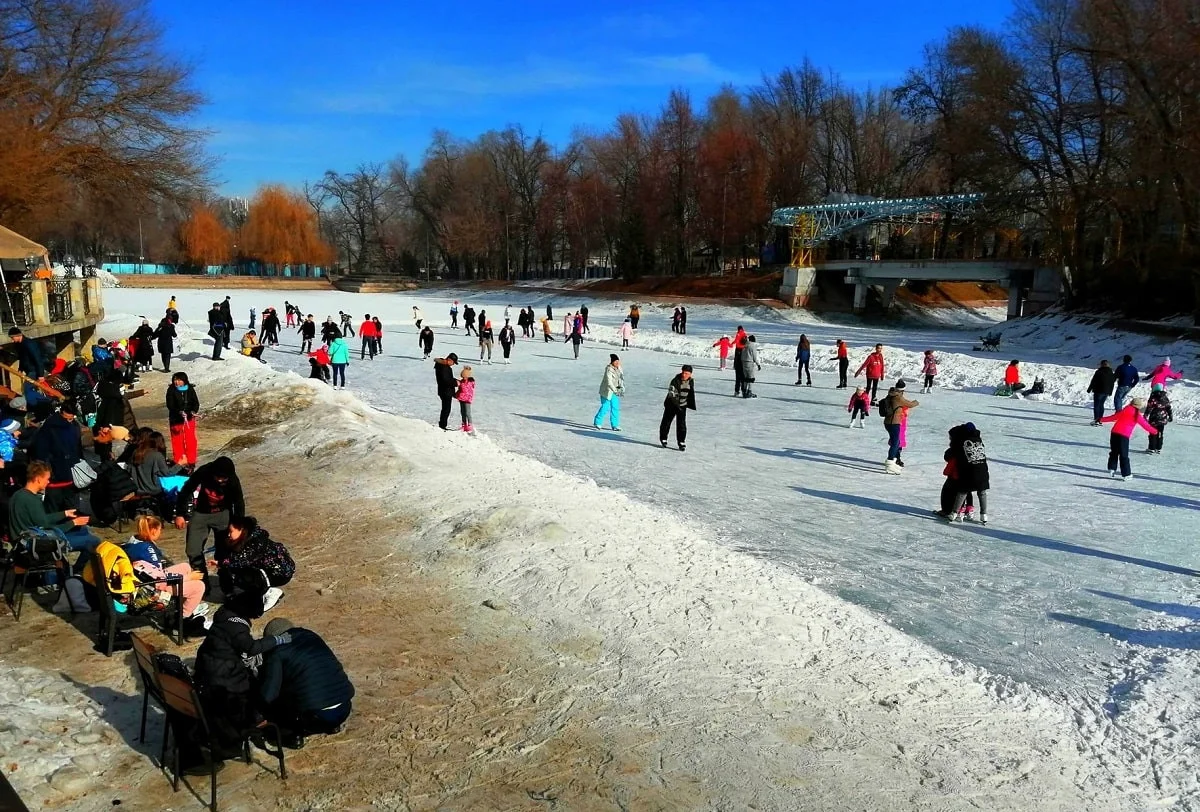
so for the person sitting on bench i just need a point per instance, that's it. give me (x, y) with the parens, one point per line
(26, 511)
(303, 687)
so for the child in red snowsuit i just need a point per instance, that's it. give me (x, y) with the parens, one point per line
(859, 407)
(723, 344)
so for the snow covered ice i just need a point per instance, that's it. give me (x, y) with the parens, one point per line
(1080, 587)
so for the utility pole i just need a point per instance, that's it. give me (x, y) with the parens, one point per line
(141, 246)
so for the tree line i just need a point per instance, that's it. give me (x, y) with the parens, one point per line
(1076, 118)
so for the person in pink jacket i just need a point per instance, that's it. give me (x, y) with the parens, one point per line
(465, 395)
(1163, 373)
(625, 331)
(1124, 422)
(723, 344)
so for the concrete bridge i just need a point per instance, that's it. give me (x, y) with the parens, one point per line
(1031, 287)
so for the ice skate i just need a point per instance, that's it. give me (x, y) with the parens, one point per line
(955, 518)
(663, 443)
(860, 423)
(852, 422)
(1127, 478)
(1113, 473)
(890, 467)
(682, 447)
(983, 518)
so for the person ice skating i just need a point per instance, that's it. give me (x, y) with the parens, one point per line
(750, 367)
(612, 387)
(164, 337)
(576, 339)
(288, 315)
(525, 322)
(469, 320)
(970, 474)
(547, 331)
(803, 356)
(625, 331)
(508, 337)
(568, 326)
(1127, 378)
(681, 396)
(635, 315)
(417, 317)
(270, 326)
(683, 320)
(892, 410)
(842, 356)
(874, 368)
(549, 312)
(1163, 374)
(302, 687)
(1012, 377)
(254, 319)
(216, 330)
(227, 314)
(339, 359)
(182, 407)
(739, 349)
(425, 341)
(583, 315)
(723, 344)
(454, 315)
(1103, 380)
(344, 324)
(929, 370)
(950, 472)
(1124, 423)
(307, 331)
(464, 393)
(447, 387)
(675, 321)
(206, 502)
(378, 334)
(366, 331)
(858, 407)
(1158, 414)
(486, 340)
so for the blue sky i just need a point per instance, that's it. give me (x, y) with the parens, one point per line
(302, 86)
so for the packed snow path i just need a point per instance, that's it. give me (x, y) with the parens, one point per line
(1071, 564)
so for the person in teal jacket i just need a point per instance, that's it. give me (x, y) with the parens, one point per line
(339, 357)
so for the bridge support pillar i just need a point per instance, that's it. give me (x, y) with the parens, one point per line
(1046, 290)
(799, 286)
(890, 287)
(860, 297)
(1014, 299)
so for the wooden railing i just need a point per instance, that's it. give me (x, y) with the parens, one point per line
(10, 375)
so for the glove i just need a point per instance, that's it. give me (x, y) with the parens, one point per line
(280, 639)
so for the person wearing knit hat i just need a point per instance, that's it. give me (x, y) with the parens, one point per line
(681, 396)
(302, 686)
(1158, 414)
(1163, 373)
(1124, 423)
(612, 387)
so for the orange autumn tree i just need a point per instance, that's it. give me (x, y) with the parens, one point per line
(281, 229)
(203, 239)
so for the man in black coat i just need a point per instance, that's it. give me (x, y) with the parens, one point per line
(218, 328)
(1100, 388)
(59, 443)
(227, 315)
(210, 497)
(29, 355)
(443, 371)
(681, 396)
(302, 686)
(165, 336)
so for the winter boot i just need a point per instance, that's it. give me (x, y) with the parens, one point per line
(852, 421)
(891, 467)
(983, 518)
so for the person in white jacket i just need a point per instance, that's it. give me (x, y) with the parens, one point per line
(612, 386)
(417, 316)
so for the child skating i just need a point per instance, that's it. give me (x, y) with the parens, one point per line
(1158, 414)
(465, 395)
(858, 407)
(929, 370)
(1124, 423)
(723, 344)
(971, 474)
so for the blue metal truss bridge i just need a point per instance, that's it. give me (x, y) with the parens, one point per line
(821, 222)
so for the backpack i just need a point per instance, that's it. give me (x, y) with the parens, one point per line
(884, 408)
(37, 547)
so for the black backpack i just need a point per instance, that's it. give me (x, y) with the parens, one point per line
(884, 407)
(36, 547)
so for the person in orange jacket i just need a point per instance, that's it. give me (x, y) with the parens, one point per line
(367, 331)
(1012, 376)
(723, 343)
(873, 366)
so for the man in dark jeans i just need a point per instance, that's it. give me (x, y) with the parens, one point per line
(1100, 388)
(302, 686)
(443, 370)
(217, 329)
(206, 502)
(681, 396)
